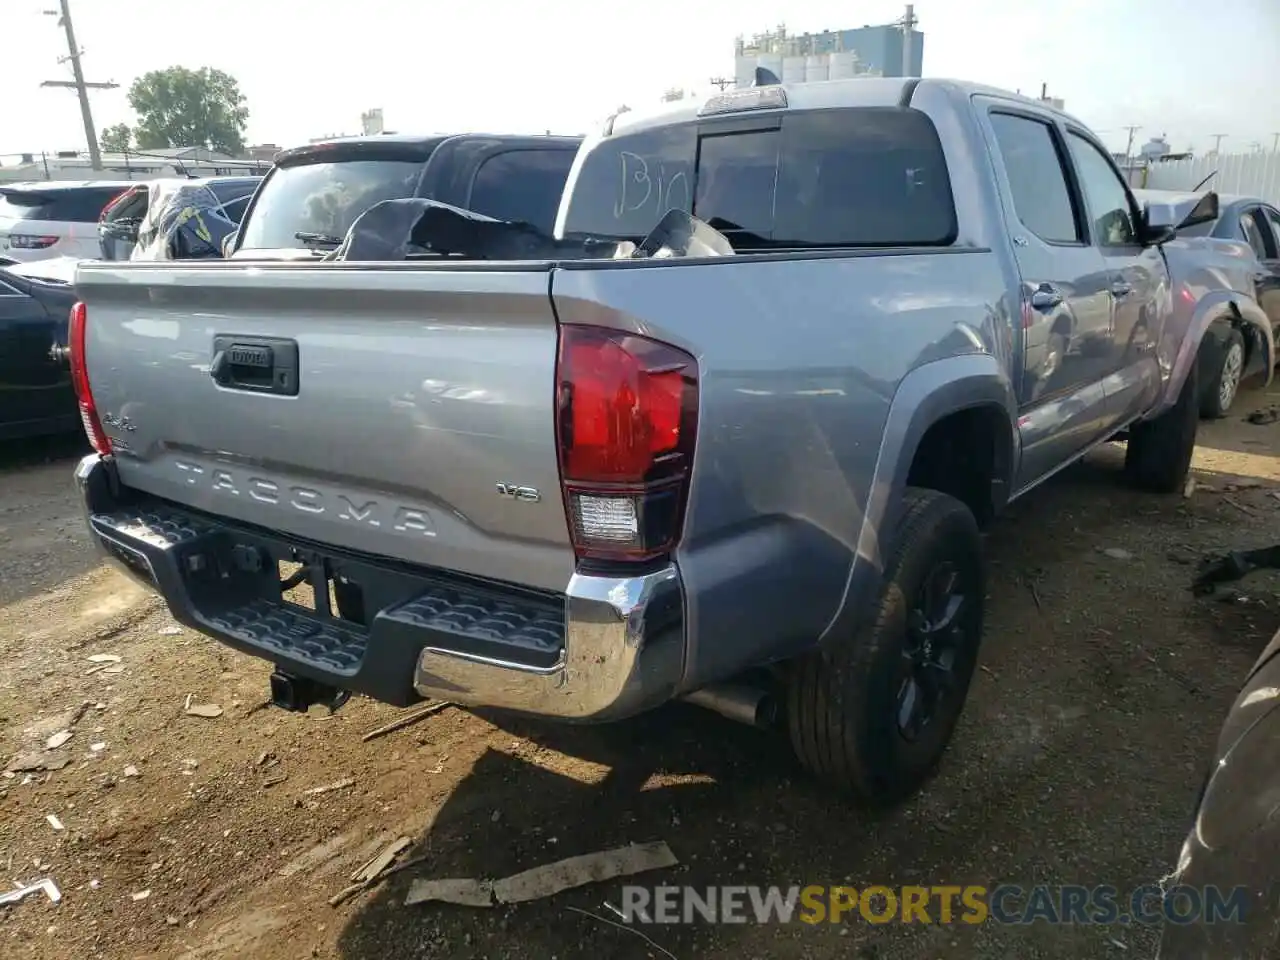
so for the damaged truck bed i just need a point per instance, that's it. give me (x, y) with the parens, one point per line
(730, 434)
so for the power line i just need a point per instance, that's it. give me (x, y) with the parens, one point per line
(720, 82)
(81, 86)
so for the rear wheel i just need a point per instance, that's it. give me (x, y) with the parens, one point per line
(1159, 454)
(872, 713)
(1220, 387)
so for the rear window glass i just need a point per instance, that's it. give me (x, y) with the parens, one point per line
(322, 198)
(75, 204)
(866, 176)
(522, 185)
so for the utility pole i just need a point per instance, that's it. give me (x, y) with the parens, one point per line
(1275, 142)
(720, 82)
(1128, 149)
(1217, 142)
(82, 87)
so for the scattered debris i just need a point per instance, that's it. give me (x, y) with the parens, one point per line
(548, 880)
(376, 870)
(1118, 553)
(45, 886)
(623, 926)
(170, 631)
(55, 822)
(406, 720)
(140, 895)
(104, 658)
(1117, 943)
(329, 787)
(43, 729)
(1035, 595)
(272, 781)
(1189, 487)
(1263, 417)
(1244, 484)
(209, 710)
(131, 771)
(1239, 506)
(382, 860)
(114, 668)
(58, 739)
(97, 747)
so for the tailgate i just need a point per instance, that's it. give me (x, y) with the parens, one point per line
(382, 410)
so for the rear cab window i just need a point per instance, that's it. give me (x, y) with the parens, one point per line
(845, 177)
(523, 185)
(323, 199)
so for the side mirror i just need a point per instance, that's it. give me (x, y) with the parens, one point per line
(1159, 224)
(229, 243)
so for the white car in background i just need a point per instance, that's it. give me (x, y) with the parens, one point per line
(40, 220)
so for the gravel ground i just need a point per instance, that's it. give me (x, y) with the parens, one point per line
(1102, 686)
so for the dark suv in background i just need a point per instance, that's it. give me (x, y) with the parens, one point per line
(312, 195)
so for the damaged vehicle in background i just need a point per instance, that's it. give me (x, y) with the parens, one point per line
(313, 194)
(743, 459)
(137, 212)
(35, 383)
(1243, 256)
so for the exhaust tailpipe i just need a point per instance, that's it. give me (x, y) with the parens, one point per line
(750, 705)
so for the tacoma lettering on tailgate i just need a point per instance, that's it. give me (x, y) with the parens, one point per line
(356, 509)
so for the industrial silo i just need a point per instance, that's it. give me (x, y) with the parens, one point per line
(843, 66)
(816, 67)
(793, 69)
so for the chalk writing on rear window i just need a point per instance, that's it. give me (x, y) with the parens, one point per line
(651, 184)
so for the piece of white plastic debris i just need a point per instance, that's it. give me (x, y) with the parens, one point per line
(131, 771)
(1118, 553)
(140, 895)
(105, 658)
(54, 821)
(58, 739)
(97, 747)
(209, 710)
(47, 886)
(170, 631)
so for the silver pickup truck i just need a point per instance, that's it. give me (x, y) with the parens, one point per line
(580, 488)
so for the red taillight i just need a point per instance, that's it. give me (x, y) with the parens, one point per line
(627, 416)
(117, 199)
(80, 381)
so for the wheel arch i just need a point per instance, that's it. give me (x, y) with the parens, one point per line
(930, 396)
(1233, 307)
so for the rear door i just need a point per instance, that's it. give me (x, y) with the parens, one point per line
(1268, 274)
(1137, 280)
(1066, 300)
(34, 388)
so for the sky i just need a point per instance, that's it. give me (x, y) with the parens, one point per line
(1188, 69)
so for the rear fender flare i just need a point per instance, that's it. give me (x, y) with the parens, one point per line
(924, 397)
(1229, 305)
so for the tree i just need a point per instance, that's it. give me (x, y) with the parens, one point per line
(116, 139)
(178, 107)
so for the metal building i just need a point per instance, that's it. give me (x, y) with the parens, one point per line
(890, 50)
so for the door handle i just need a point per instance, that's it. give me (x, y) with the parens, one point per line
(1046, 297)
(1121, 289)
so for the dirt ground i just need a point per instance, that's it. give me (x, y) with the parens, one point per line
(1102, 686)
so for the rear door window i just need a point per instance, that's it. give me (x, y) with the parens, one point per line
(522, 185)
(864, 176)
(323, 199)
(1037, 179)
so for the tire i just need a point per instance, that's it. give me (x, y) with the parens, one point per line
(1159, 454)
(844, 700)
(1219, 390)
